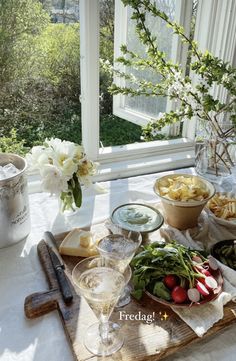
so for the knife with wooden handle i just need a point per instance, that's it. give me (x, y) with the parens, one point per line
(59, 267)
(52, 243)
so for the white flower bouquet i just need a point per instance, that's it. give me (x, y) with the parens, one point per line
(63, 165)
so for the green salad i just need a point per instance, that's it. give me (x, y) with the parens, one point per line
(173, 273)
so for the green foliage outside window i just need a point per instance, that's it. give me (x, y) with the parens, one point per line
(40, 77)
(12, 144)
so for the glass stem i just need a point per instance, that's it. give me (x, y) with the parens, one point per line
(104, 332)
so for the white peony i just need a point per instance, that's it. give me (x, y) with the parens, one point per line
(33, 158)
(65, 155)
(57, 162)
(86, 170)
(79, 153)
(53, 180)
(68, 168)
(54, 143)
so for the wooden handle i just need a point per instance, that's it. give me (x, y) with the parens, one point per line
(64, 285)
(40, 303)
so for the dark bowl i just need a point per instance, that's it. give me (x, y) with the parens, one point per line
(217, 246)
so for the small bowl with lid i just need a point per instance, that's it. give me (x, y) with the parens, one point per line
(183, 197)
(137, 217)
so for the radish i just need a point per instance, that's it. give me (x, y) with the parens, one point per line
(198, 268)
(213, 263)
(202, 280)
(210, 283)
(179, 294)
(170, 281)
(205, 272)
(202, 289)
(196, 259)
(193, 295)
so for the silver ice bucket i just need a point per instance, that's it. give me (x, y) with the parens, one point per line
(14, 203)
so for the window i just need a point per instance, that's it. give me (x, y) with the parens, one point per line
(46, 91)
(126, 159)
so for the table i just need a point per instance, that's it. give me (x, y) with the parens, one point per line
(21, 275)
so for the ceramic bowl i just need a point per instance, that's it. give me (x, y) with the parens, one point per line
(183, 214)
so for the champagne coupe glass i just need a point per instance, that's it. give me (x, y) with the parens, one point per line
(101, 287)
(118, 250)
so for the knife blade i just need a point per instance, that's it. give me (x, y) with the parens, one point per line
(51, 242)
(61, 277)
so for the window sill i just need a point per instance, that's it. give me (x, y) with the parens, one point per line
(140, 150)
(113, 166)
(145, 164)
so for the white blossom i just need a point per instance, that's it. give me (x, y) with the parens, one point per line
(154, 132)
(58, 161)
(53, 180)
(36, 157)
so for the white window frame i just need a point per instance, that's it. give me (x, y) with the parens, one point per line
(89, 75)
(218, 19)
(130, 159)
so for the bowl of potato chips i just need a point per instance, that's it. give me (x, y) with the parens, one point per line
(183, 197)
(223, 206)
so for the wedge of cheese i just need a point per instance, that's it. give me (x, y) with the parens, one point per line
(78, 243)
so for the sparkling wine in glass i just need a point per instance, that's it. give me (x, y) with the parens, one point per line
(117, 250)
(101, 287)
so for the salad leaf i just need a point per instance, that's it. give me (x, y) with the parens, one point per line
(160, 290)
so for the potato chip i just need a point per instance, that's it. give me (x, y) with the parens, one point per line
(181, 188)
(223, 206)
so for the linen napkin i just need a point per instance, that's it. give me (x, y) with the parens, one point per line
(202, 318)
(210, 230)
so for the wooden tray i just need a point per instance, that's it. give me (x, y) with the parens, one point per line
(143, 342)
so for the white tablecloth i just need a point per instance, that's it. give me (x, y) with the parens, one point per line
(21, 274)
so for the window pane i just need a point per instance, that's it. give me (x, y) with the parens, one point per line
(113, 130)
(148, 105)
(39, 71)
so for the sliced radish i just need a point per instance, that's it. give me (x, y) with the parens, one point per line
(202, 280)
(206, 273)
(193, 295)
(202, 289)
(210, 283)
(213, 263)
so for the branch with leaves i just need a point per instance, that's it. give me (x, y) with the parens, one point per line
(194, 98)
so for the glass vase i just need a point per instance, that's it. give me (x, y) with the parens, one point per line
(215, 156)
(67, 208)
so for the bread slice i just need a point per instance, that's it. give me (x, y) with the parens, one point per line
(78, 243)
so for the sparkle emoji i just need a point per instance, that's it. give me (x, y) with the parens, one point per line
(163, 316)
